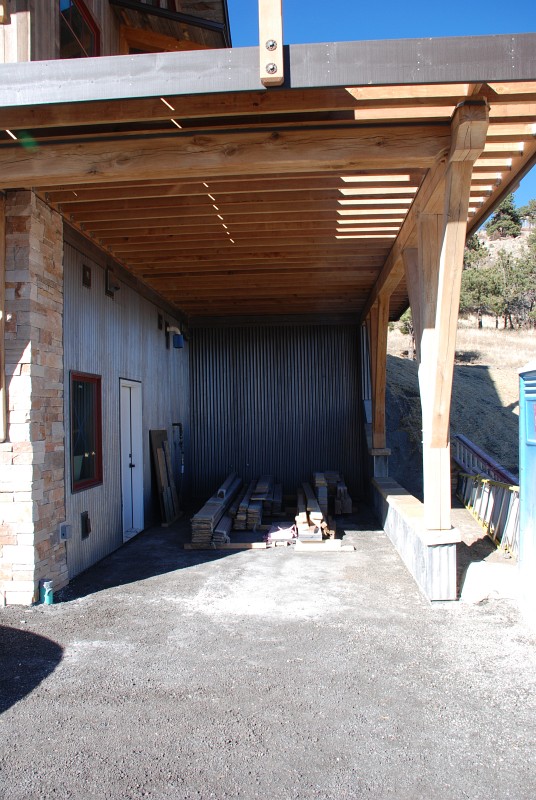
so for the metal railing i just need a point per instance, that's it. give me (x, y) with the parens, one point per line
(489, 492)
(495, 505)
(475, 461)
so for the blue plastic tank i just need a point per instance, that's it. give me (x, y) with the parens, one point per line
(527, 482)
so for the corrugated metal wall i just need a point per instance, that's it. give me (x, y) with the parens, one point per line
(116, 338)
(282, 400)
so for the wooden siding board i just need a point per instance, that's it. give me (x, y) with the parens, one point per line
(277, 400)
(116, 339)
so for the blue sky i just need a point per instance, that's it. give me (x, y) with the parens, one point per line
(343, 20)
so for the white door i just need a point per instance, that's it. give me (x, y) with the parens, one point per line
(131, 458)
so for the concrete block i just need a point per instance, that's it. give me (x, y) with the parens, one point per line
(432, 565)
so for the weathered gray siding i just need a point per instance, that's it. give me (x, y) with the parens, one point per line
(282, 400)
(116, 339)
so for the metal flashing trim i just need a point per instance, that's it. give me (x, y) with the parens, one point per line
(506, 57)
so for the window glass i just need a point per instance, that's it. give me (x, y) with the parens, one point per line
(86, 431)
(79, 35)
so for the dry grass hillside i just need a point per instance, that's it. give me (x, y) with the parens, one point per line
(485, 402)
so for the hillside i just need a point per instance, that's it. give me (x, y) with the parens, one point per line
(485, 402)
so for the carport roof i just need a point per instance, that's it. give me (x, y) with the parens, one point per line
(229, 199)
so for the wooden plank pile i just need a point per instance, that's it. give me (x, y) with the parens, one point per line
(222, 531)
(277, 502)
(206, 520)
(240, 520)
(309, 518)
(321, 491)
(254, 515)
(163, 468)
(264, 491)
(343, 501)
(262, 498)
(230, 510)
(330, 486)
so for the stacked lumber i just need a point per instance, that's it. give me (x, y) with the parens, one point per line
(225, 488)
(240, 522)
(254, 515)
(233, 508)
(222, 531)
(313, 509)
(343, 501)
(277, 502)
(264, 492)
(309, 517)
(207, 518)
(321, 492)
(167, 493)
(261, 498)
(332, 478)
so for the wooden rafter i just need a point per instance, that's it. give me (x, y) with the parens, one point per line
(311, 187)
(213, 156)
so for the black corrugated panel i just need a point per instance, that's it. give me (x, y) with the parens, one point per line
(277, 400)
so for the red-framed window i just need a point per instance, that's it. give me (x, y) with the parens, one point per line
(86, 431)
(79, 34)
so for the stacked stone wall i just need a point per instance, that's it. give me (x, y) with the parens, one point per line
(32, 480)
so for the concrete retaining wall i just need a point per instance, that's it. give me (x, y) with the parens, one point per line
(430, 556)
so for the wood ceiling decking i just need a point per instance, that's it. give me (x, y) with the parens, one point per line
(261, 202)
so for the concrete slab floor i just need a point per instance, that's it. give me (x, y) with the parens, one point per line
(270, 674)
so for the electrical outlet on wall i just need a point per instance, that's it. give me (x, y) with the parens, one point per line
(66, 532)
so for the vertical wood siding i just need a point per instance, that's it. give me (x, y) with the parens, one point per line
(282, 400)
(116, 339)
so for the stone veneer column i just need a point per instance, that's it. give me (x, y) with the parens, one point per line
(32, 474)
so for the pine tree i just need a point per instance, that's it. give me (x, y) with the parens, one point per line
(528, 212)
(506, 221)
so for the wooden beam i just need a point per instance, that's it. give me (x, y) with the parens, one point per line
(296, 198)
(230, 104)
(3, 391)
(203, 157)
(414, 286)
(271, 66)
(441, 241)
(229, 188)
(379, 324)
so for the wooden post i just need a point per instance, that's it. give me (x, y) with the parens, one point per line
(413, 282)
(378, 327)
(3, 398)
(441, 228)
(271, 42)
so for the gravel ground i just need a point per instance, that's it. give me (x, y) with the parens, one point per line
(164, 673)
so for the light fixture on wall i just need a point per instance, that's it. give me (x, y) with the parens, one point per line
(178, 338)
(111, 283)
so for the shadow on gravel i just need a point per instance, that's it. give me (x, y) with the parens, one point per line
(469, 554)
(26, 660)
(155, 551)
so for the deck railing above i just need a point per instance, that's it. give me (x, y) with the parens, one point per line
(472, 459)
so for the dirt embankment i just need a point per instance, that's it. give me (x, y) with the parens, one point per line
(485, 396)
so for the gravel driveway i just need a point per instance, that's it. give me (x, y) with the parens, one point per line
(166, 673)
